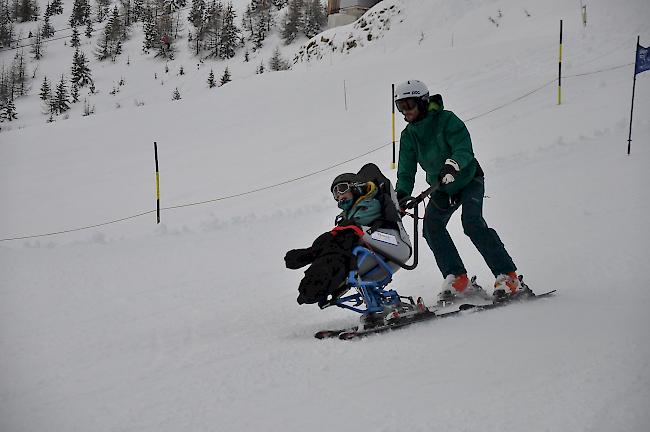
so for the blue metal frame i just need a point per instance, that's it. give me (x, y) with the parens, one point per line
(370, 292)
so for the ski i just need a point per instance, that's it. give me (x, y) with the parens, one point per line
(356, 332)
(505, 302)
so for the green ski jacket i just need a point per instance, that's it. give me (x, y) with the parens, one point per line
(439, 136)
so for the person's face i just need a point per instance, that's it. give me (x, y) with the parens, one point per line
(409, 108)
(342, 191)
(344, 196)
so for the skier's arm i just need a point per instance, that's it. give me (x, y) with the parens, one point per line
(459, 140)
(406, 167)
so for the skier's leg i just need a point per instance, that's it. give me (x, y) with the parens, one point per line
(485, 239)
(436, 217)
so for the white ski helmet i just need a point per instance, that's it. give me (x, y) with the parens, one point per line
(412, 89)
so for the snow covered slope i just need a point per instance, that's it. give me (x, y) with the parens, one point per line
(192, 324)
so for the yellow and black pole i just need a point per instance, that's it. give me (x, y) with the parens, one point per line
(392, 103)
(155, 150)
(559, 77)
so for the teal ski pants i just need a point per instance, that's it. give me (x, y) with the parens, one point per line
(486, 240)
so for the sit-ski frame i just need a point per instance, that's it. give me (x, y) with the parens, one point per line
(373, 293)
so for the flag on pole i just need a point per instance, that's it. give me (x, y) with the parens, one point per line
(642, 62)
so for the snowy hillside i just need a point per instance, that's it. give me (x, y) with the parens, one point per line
(192, 325)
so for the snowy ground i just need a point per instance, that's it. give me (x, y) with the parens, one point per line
(192, 325)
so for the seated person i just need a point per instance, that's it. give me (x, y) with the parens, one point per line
(361, 222)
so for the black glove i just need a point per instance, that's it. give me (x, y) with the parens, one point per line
(449, 171)
(406, 203)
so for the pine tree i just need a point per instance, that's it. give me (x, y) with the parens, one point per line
(74, 92)
(150, 34)
(56, 7)
(47, 31)
(315, 18)
(279, 4)
(74, 41)
(138, 10)
(46, 91)
(61, 99)
(80, 13)
(6, 26)
(37, 46)
(8, 110)
(114, 28)
(18, 74)
(229, 33)
(81, 74)
(176, 95)
(89, 29)
(225, 78)
(211, 82)
(292, 21)
(259, 34)
(197, 17)
(26, 10)
(277, 63)
(260, 69)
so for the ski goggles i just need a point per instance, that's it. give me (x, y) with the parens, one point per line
(341, 188)
(406, 104)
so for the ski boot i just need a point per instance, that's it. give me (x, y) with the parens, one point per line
(510, 287)
(459, 287)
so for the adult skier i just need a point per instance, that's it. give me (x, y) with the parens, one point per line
(439, 141)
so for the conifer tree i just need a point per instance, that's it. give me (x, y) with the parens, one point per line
(315, 18)
(138, 10)
(80, 13)
(176, 95)
(279, 4)
(74, 92)
(89, 29)
(18, 74)
(292, 21)
(277, 63)
(74, 40)
(46, 91)
(150, 34)
(8, 110)
(56, 7)
(213, 25)
(197, 17)
(114, 28)
(47, 31)
(211, 82)
(37, 46)
(225, 78)
(61, 99)
(26, 10)
(229, 33)
(6, 25)
(81, 74)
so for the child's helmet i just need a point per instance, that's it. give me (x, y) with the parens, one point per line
(355, 184)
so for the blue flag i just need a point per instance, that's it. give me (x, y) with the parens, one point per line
(642, 62)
